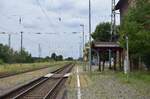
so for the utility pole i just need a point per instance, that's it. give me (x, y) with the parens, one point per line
(113, 20)
(82, 25)
(80, 51)
(90, 50)
(39, 50)
(113, 28)
(86, 38)
(21, 42)
(9, 40)
(20, 22)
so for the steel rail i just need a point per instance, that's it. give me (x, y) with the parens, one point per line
(52, 93)
(39, 82)
(42, 82)
(29, 89)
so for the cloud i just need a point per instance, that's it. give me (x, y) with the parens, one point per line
(43, 16)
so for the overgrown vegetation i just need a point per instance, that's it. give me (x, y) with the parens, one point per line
(136, 25)
(18, 68)
(102, 32)
(134, 77)
(8, 55)
(56, 57)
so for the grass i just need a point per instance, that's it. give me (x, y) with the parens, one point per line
(136, 76)
(18, 68)
(138, 80)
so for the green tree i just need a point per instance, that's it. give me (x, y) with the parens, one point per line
(102, 32)
(53, 56)
(8, 55)
(136, 25)
(59, 58)
(69, 59)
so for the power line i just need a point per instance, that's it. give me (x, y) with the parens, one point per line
(3, 28)
(44, 12)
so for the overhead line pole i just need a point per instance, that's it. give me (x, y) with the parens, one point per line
(113, 28)
(20, 22)
(21, 42)
(9, 40)
(82, 25)
(80, 51)
(90, 56)
(39, 49)
(113, 20)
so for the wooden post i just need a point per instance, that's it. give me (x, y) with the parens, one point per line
(115, 60)
(99, 61)
(110, 55)
(103, 65)
(123, 57)
(120, 67)
(103, 61)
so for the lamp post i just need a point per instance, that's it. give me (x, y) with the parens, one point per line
(82, 25)
(39, 50)
(9, 40)
(80, 44)
(80, 51)
(90, 51)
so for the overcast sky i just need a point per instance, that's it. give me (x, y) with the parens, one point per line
(61, 17)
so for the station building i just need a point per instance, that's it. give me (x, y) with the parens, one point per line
(123, 7)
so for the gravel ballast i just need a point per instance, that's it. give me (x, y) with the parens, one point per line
(9, 83)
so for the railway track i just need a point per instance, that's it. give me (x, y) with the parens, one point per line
(42, 88)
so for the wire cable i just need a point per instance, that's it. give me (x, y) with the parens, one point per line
(45, 14)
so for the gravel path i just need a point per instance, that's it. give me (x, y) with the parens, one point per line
(106, 86)
(11, 82)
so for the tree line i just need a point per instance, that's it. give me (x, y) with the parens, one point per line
(9, 55)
